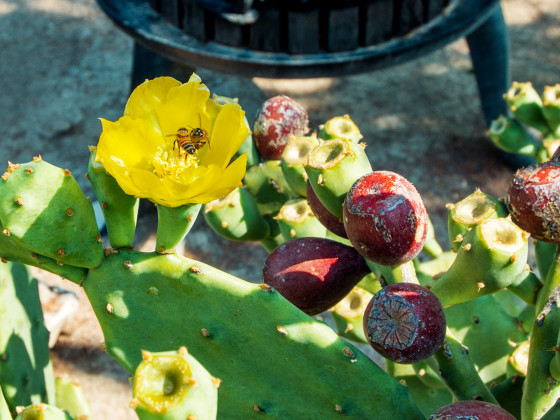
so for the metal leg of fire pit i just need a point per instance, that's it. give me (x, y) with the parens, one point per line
(147, 64)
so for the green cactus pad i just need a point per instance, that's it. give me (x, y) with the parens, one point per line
(296, 220)
(43, 209)
(251, 337)
(70, 397)
(173, 225)
(174, 386)
(237, 217)
(267, 185)
(11, 250)
(492, 255)
(470, 211)
(42, 412)
(119, 209)
(293, 157)
(332, 168)
(526, 105)
(4, 409)
(341, 127)
(26, 375)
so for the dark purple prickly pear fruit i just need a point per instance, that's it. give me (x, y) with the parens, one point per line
(533, 199)
(278, 118)
(327, 219)
(385, 218)
(405, 322)
(314, 273)
(480, 410)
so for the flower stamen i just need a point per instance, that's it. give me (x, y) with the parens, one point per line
(168, 162)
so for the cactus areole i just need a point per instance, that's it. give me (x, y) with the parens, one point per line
(405, 323)
(385, 218)
(534, 200)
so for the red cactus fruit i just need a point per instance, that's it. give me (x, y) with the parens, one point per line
(480, 410)
(405, 322)
(314, 273)
(385, 218)
(533, 199)
(278, 118)
(325, 217)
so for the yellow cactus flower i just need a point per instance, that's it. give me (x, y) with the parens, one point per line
(174, 144)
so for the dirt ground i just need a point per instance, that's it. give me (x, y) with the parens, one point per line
(63, 64)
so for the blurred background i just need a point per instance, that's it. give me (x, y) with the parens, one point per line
(64, 64)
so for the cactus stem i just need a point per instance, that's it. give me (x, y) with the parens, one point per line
(282, 330)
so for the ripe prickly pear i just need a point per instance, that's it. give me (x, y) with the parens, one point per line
(471, 410)
(314, 273)
(385, 218)
(278, 118)
(405, 322)
(534, 202)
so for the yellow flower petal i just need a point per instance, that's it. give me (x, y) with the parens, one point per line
(148, 96)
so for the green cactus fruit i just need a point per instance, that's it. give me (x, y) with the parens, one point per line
(519, 359)
(26, 373)
(427, 375)
(459, 372)
(173, 225)
(526, 105)
(348, 315)
(42, 412)
(248, 145)
(293, 158)
(296, 220)
(541, 390)
(427, 398)
(493, 254)
(340, 127)
(551, 106)
(70, 398)
(174, 386)
(509, 393)
(489, 333)
(403, 273)
(509, 135)
(119, 209)
(429, 271)
(470, 211)
(156, 302)
(4, 409)
(332, 168)
(10, 250)
(544, 256)
(43, 209)
(237, 217)
(267, 185)
(526, 286)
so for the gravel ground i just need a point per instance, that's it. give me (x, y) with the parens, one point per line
(63, 65)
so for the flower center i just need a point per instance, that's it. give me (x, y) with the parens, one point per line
(169, 162)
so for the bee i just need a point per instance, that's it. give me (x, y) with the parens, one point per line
(191, 140)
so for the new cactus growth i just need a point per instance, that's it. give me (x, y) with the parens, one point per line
(314, 273)
(295, 219)
(526, 105)
(174, 386)
(405, 323)
(341, 127)
(69, 397)
(293, 158)
(385, 218)
(42, 412)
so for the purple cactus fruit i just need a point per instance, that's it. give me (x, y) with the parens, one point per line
(314, 273)
(324, 216)
(385, 218)
(405, 323)
(480, 410)
(278, 118)
(533, 199)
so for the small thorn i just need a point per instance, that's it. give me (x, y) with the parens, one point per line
(69, 212)
(19, 201)
(258, 409)
(182, 351)
(109, 308)
(67, 172)
(282, 330)
(266, 287)
(38, 158)
(217, 382)
(339, 409)
(146, 356)
(224, 224)
(28, 171)
(195, 269)
(467, 247)
(134, 403)
(205, 333)
(127, 264)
